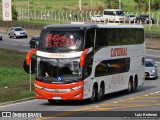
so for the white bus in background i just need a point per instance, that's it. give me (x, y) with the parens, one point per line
(114, 15)
(87, 61)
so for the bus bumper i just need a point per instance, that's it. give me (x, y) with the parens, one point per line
(59, 91)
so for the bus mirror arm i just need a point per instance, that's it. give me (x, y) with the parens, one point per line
(29, 64)
(28, 56)
(83, 56)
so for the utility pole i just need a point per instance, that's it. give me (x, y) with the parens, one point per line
(91, 4)
(80, 5)
(28, 10)
(149, 4)
(119, 4)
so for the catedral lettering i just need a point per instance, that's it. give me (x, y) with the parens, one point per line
(64, 72)
(57, 55)
(115, 52)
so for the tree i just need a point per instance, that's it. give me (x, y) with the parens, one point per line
(14, 13)
(31, 1)
(156, 4)
(141, 4)
(111, 3)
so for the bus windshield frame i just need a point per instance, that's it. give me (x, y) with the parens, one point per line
(57, 70)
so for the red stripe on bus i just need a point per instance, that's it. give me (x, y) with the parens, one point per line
(28, 56)
(83, 56)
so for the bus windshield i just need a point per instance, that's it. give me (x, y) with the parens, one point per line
(61, 40)
(58, 70)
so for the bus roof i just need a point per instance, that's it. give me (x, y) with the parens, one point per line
(88, 26)
(118, 26)
(70, 26)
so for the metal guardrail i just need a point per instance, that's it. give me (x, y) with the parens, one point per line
(34, 26)
(152, 36)
(37, 26)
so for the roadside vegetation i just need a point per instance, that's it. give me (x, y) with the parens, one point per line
(127, 5)
(59, 7)
(14, 82)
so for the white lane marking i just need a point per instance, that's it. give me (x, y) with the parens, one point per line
(115, 102)
(14, 44)
(155, 92)
(153, 56)
(24, 45)
(17, 103)
(18, 40)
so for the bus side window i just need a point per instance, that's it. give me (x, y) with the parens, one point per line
(90, 38)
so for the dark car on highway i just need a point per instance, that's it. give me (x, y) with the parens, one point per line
(144, 18)
(1, 36)
(34, 42)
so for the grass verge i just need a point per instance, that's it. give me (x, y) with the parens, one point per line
(14, 82)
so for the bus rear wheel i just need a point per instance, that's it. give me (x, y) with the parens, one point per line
(135, 85)
(101, 93)
(130, 87)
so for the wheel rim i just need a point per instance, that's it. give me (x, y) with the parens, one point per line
(129, 87)
(100, 94)
(93, 95)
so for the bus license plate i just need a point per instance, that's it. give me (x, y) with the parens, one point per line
(56, 98)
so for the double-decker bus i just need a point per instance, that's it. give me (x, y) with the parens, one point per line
(87, 61)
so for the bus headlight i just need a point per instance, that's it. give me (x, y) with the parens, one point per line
(76, 88)
(37, 86)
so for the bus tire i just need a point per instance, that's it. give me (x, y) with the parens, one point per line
(100, 95)
(93, 97)
(135, 84)
(130, 86)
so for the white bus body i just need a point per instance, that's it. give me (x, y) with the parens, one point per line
(114, 15)
(110, 59)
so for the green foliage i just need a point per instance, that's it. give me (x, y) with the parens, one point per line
(14, 13)
(156, 5)
(73, 5)
(31, 1)
(111, 3)
(48, 7)
(143, 4)
(13, 79)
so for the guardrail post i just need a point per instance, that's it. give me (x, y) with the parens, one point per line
(41, 14)
(158, 19)
(55, 15)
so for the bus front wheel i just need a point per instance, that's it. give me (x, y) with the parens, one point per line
(93, 97)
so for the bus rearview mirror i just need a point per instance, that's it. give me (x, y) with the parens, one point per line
(27, 67)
